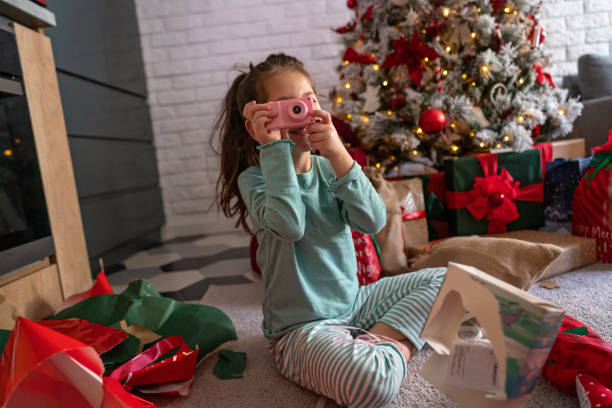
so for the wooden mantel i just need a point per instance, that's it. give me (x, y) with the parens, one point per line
(39, 289)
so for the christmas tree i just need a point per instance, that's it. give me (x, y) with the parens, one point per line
(424, 80)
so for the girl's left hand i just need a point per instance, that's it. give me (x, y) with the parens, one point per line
(323, 136)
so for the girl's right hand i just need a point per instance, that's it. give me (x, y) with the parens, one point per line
(257, 115)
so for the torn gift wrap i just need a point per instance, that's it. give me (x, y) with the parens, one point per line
(166, 367)
(202, 326)
(101, 338)
(42, 367)
(520, 331)
(230, 364)
(100, 287)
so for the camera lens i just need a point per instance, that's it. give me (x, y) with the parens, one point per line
(297, 109)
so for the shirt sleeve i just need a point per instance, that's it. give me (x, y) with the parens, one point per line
(361, 206)
(271, 192)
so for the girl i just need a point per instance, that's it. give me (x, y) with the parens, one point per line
(300, 207)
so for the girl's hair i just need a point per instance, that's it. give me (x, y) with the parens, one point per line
(238, 148)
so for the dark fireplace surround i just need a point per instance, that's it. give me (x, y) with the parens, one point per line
(25, 235)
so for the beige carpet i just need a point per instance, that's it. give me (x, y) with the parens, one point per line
(585, 295)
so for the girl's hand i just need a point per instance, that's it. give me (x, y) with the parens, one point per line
(257, 115)
(324, 137)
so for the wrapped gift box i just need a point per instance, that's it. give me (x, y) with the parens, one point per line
(568, 149)
(577, 251)
(592, 198)
(562, 178)
(434, 186)
(493, 193)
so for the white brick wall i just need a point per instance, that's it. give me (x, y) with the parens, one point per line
(190, 46)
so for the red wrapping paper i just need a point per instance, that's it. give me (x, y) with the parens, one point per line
(143, 371)
(574, 353)
(41, 367)
(101, 338)
(100, 287)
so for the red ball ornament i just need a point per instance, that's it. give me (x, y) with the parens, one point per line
(496, 199)
(432, 120)
(397, 102)
(351, 3)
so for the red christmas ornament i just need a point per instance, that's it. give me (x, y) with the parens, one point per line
(536, 130)
(397, 102)
(432, 120)
(351, 4)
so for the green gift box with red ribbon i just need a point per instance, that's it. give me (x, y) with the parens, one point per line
(493, 193)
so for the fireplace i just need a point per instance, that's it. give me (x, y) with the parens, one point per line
(25, 235)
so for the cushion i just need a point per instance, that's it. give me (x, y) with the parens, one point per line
(577, 251)
(595, 76)
(519, 263)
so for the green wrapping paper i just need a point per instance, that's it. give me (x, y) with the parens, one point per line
(230, 364)
(4, 336)
(121, 353)
(203, 326)
(525, 167)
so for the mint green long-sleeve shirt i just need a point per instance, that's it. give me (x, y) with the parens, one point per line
(302, 221)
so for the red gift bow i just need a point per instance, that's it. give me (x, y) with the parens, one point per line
(494, 195)
(543, 76)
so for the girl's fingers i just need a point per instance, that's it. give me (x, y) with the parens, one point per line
(323, 115)
(316, 127)
(263, 114)
(259, 126)
(251, 108)
(316, 137)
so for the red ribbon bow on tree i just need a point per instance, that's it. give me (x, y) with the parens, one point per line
(543, 76)
(353, 56)
(410, 53)
(349, 27)
(494, 195)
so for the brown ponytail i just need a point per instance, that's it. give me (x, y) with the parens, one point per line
(238, 149)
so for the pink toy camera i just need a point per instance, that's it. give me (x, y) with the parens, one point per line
(292, 113)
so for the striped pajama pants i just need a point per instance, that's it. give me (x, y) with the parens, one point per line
(324, 356)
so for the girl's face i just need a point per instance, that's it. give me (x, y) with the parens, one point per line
(291, 84)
